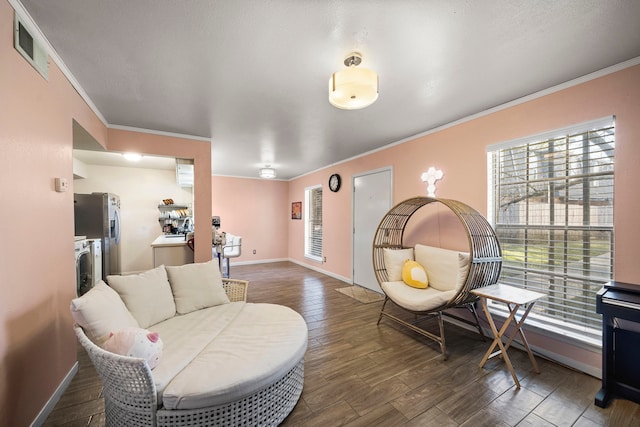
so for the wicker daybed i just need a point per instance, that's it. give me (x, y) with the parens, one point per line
(455, 274)
(232, 364)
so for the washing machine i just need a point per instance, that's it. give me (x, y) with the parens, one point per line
(83, 264)
(95, 246)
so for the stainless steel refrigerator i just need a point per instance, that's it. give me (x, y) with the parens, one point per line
(97, 216)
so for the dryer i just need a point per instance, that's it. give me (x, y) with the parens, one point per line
(83, 265)
(95, 246)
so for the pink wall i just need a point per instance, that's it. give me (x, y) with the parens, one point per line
(37, 344)
(258, 210)
(336, 220)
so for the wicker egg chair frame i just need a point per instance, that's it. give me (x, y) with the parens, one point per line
(485, 260)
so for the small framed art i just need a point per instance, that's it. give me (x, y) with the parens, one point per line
(296, 210)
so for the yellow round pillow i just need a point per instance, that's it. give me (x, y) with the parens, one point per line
(414, 275)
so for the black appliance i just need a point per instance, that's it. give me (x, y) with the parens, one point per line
(619, 304)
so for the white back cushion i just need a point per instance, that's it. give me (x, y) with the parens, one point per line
(147, 295)
(196, 286)
(100, 312)
(394, 261)
(446, 269)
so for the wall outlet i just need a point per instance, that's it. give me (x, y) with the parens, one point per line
(254, 251)
(324, 259)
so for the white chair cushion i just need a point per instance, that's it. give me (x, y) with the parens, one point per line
(147, 295)
(232, 246)
(416, 299)
(394, 261)
(446, 269)
(196, 286)
(100, 312)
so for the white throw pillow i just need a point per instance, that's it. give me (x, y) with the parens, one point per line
(394, 261)
(147, 295)
(196, 286)
(100, 312)
(447, 269)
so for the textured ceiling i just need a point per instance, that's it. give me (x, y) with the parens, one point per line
(253, 75)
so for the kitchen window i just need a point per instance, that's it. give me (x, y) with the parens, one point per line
(551, 203)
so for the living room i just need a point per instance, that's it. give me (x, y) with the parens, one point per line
(37, 344)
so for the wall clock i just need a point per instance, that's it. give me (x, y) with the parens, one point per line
(334, 182)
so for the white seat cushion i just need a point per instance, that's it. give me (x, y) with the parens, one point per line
(256, 348)
(416, 299)
(185, 336)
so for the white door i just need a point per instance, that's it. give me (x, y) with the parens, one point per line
(372, 199)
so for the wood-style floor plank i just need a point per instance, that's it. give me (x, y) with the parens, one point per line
(358, 373)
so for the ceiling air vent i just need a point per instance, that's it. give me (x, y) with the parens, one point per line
(31, 48)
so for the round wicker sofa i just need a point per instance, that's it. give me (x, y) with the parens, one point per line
(250, 374)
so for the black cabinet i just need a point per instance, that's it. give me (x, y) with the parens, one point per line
(619, 304)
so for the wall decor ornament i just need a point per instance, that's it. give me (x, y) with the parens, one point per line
(430, 177)
(296, 210)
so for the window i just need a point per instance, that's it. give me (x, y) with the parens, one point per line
(551, 203)
(313, 223)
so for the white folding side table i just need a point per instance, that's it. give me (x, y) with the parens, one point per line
(514, 298)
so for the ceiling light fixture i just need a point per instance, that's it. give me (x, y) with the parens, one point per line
(132, 157)
(268, 172)
(353, 88)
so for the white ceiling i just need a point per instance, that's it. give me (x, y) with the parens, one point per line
(253, 75)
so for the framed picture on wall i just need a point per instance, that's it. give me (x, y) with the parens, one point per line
(296, 210)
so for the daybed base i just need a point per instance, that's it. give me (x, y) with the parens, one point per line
(130, 395)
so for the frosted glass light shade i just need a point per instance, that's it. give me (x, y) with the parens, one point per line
(267, 173)
(353, 88)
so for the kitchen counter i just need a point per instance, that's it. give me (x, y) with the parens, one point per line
(169, 240)
(171, 249)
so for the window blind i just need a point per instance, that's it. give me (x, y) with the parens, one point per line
(313, 223)
(551, 201)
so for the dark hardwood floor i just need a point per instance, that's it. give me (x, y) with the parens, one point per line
(361, 374)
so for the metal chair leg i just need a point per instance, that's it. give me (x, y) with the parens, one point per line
(228, 269)
(382, 309)
(443, 345)
(472, 307)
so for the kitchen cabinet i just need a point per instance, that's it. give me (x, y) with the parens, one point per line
(171, 250)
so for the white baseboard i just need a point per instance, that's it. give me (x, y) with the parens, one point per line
(302, 264)
(320, 270)
(53, 400)
(260, 261)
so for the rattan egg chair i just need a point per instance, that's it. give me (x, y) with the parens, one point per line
(484, 265)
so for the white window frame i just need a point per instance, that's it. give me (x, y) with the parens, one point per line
(311, 222)
(588, 333)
